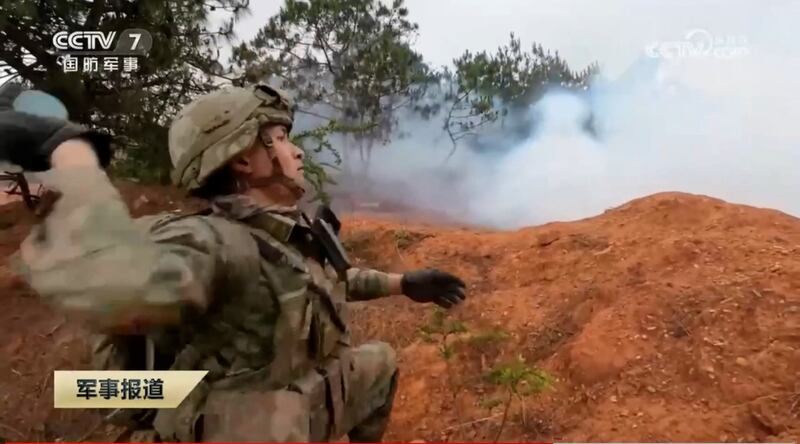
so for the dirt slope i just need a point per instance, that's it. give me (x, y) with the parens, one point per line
(672, 318)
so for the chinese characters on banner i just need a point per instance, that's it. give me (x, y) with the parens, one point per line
(129, 389)
(90, 64)
(123, 388)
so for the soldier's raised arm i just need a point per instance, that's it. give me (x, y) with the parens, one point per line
(92, 259)
(88, 255)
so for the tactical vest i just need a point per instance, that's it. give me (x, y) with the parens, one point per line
(268, 332)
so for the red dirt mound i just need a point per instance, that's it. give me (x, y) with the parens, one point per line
(672, 318)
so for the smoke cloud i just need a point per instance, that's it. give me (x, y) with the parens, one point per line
(721, 123)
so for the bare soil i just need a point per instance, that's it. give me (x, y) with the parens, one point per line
(672, 318)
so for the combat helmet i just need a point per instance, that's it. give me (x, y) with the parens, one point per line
(216, 127)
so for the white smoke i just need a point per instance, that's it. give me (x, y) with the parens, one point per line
(706, 124)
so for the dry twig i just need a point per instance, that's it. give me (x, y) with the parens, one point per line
(12, 429)
(477, 421)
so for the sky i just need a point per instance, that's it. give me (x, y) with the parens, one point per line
(611, 32)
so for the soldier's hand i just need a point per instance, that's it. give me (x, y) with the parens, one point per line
(429, 285)
(28, 140)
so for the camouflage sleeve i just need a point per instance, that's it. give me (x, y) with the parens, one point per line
(90, 258)
(366, 284)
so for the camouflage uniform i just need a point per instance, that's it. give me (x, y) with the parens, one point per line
(273, 334)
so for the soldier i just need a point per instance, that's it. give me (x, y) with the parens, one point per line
(251, 291)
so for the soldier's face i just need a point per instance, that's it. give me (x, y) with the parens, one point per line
(257, 163)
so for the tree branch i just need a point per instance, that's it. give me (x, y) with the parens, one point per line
(14, 60)
(311, 113)
(93, 20)
(35, 48)
(323, 45)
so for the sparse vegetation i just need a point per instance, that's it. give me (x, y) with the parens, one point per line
(517, 377)
(403, 239)
(520, 380)
(494, 335)
(491, 402)
(440, 329)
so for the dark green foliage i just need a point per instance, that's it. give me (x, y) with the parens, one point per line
(486, 87)
(347, 54)
(316, 141)
(136, 109)
(352, 58)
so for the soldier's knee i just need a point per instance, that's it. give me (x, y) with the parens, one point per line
(389, 355)
(383, 354)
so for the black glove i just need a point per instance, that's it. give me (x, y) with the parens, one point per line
(435, 286)
(28, 140)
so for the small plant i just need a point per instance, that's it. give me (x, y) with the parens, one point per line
(444, 328)
(520, 380)
(490, 403)
(440, 329)
(427, 337)
(402, 238)
(487, 337)
(517, 373)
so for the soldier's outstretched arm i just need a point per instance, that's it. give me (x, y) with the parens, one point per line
(366, 284)
(90, 257)
(426, 285)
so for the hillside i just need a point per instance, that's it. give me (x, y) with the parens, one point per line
(672, 318)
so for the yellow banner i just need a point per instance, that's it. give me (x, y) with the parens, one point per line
(79, 389)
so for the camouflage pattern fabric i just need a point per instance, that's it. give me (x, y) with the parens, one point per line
(372, 385)
(238, 293)
(301, 412)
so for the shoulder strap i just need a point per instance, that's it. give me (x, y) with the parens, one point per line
(276, 252)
